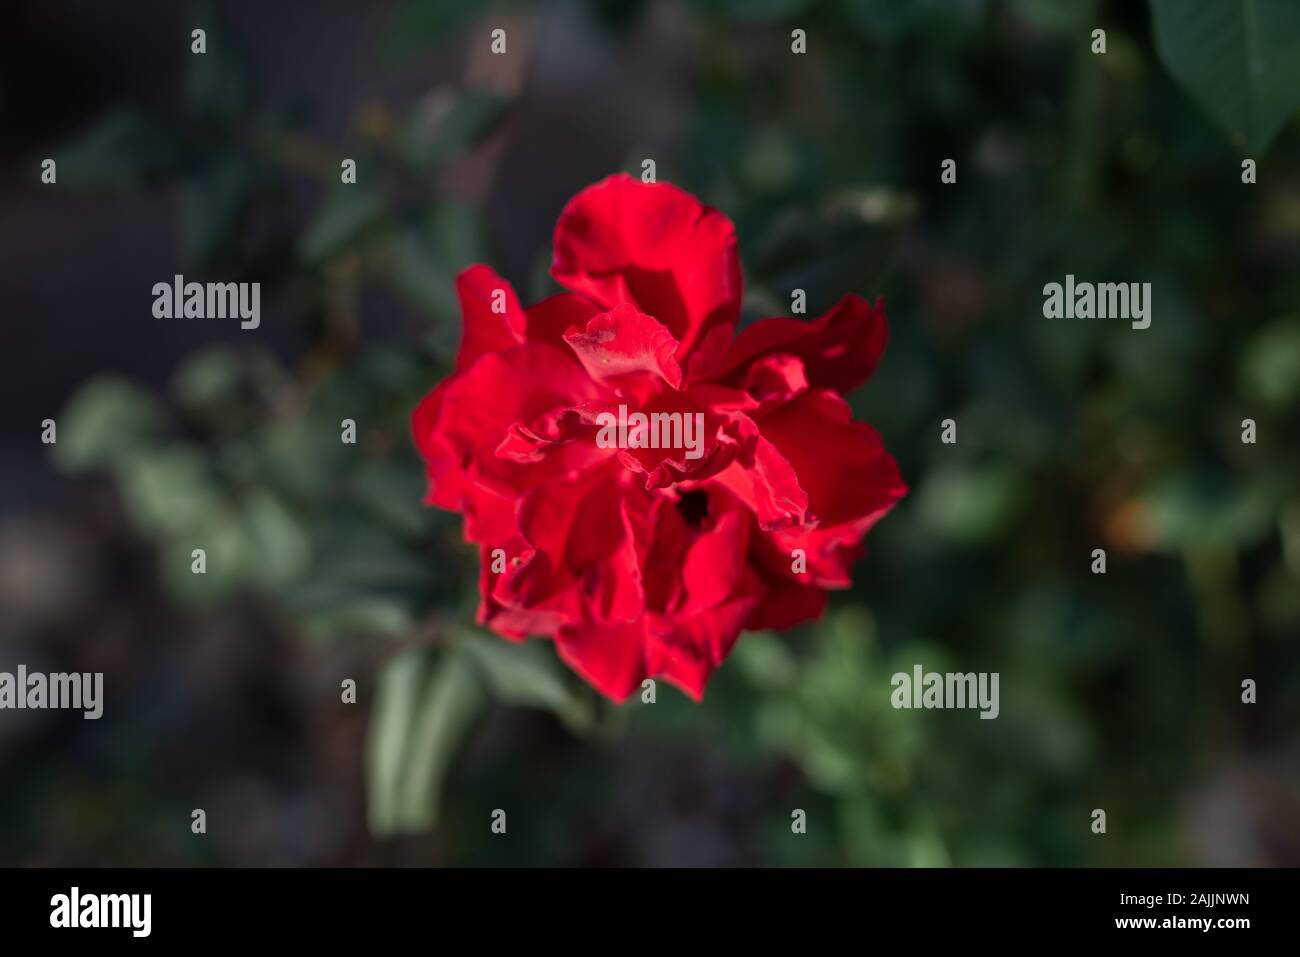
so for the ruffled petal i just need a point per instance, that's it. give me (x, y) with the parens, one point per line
(611, 658)
(850, 480)
(770, 486)
(786, 604)
(583, 561)
(685, 440)
(839, 350)
(625, 341)
(460, 426)
(492, 319)
(550, 319)
(656, 246)
(684, 648)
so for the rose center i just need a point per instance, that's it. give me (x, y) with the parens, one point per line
(693, 507)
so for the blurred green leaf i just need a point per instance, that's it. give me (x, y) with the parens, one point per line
(1063, 18)
(168, 490)
(122, 150)
(397, 696)
(1269, 366)
(528, 673)
(416, 24)
(216, 84)
(888, 20)
(107, 420)
(218, 531)
(765, 659)
(365, 616)
(1207, 507)
(343, 217)
(418, 276)
(207, 377)
(424, 705)
(424, 256)
(970, 504)
(1237, 59)
(299, 452)
(745, 10)
(211, 201)
(457, 234)
(278, 543)
(454, 122)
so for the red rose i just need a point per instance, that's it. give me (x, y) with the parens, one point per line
(641, 561)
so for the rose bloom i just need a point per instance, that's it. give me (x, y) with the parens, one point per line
(649, 562)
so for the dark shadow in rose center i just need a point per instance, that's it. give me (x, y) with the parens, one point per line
(694, 507)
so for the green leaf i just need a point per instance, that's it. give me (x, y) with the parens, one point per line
(418, 24)
(342, 218)
(1209, 508)
(890, 20)
(1237, 59)
(218, 531)
(168, 491)
(299, 453)
(211, 202)
(280, 549)
(420, 274)
(1268, 368)
(1062, 18)
(456, 231)
(396, 699)
(392, 494)
(765, 660)
(216, 83)
(106, 421)
(751, 10)
(464, 120)
(122, 150)
(528, 674)
(970, 504)
(424, 255)
(368, 616)
(208, 377)
(422, 710)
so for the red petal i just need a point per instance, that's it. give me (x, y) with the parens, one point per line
(770, 485)
(459, 427)
(510, 622)
(775, 378)
(725, 437)
(625, 341)
(713, 564)
(551, 318)
(711, 352)
(610, 657)
(850, 479)
(841, 464)
(839, 350)
(446, 486)
(485, 330)
(786, 604)
(656, 246)
(585, 562)
(684, 649)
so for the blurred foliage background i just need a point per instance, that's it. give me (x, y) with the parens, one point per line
(1119, 691)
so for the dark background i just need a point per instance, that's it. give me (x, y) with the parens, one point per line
(1120, 692)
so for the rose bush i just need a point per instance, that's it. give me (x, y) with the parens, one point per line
(648, 562)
